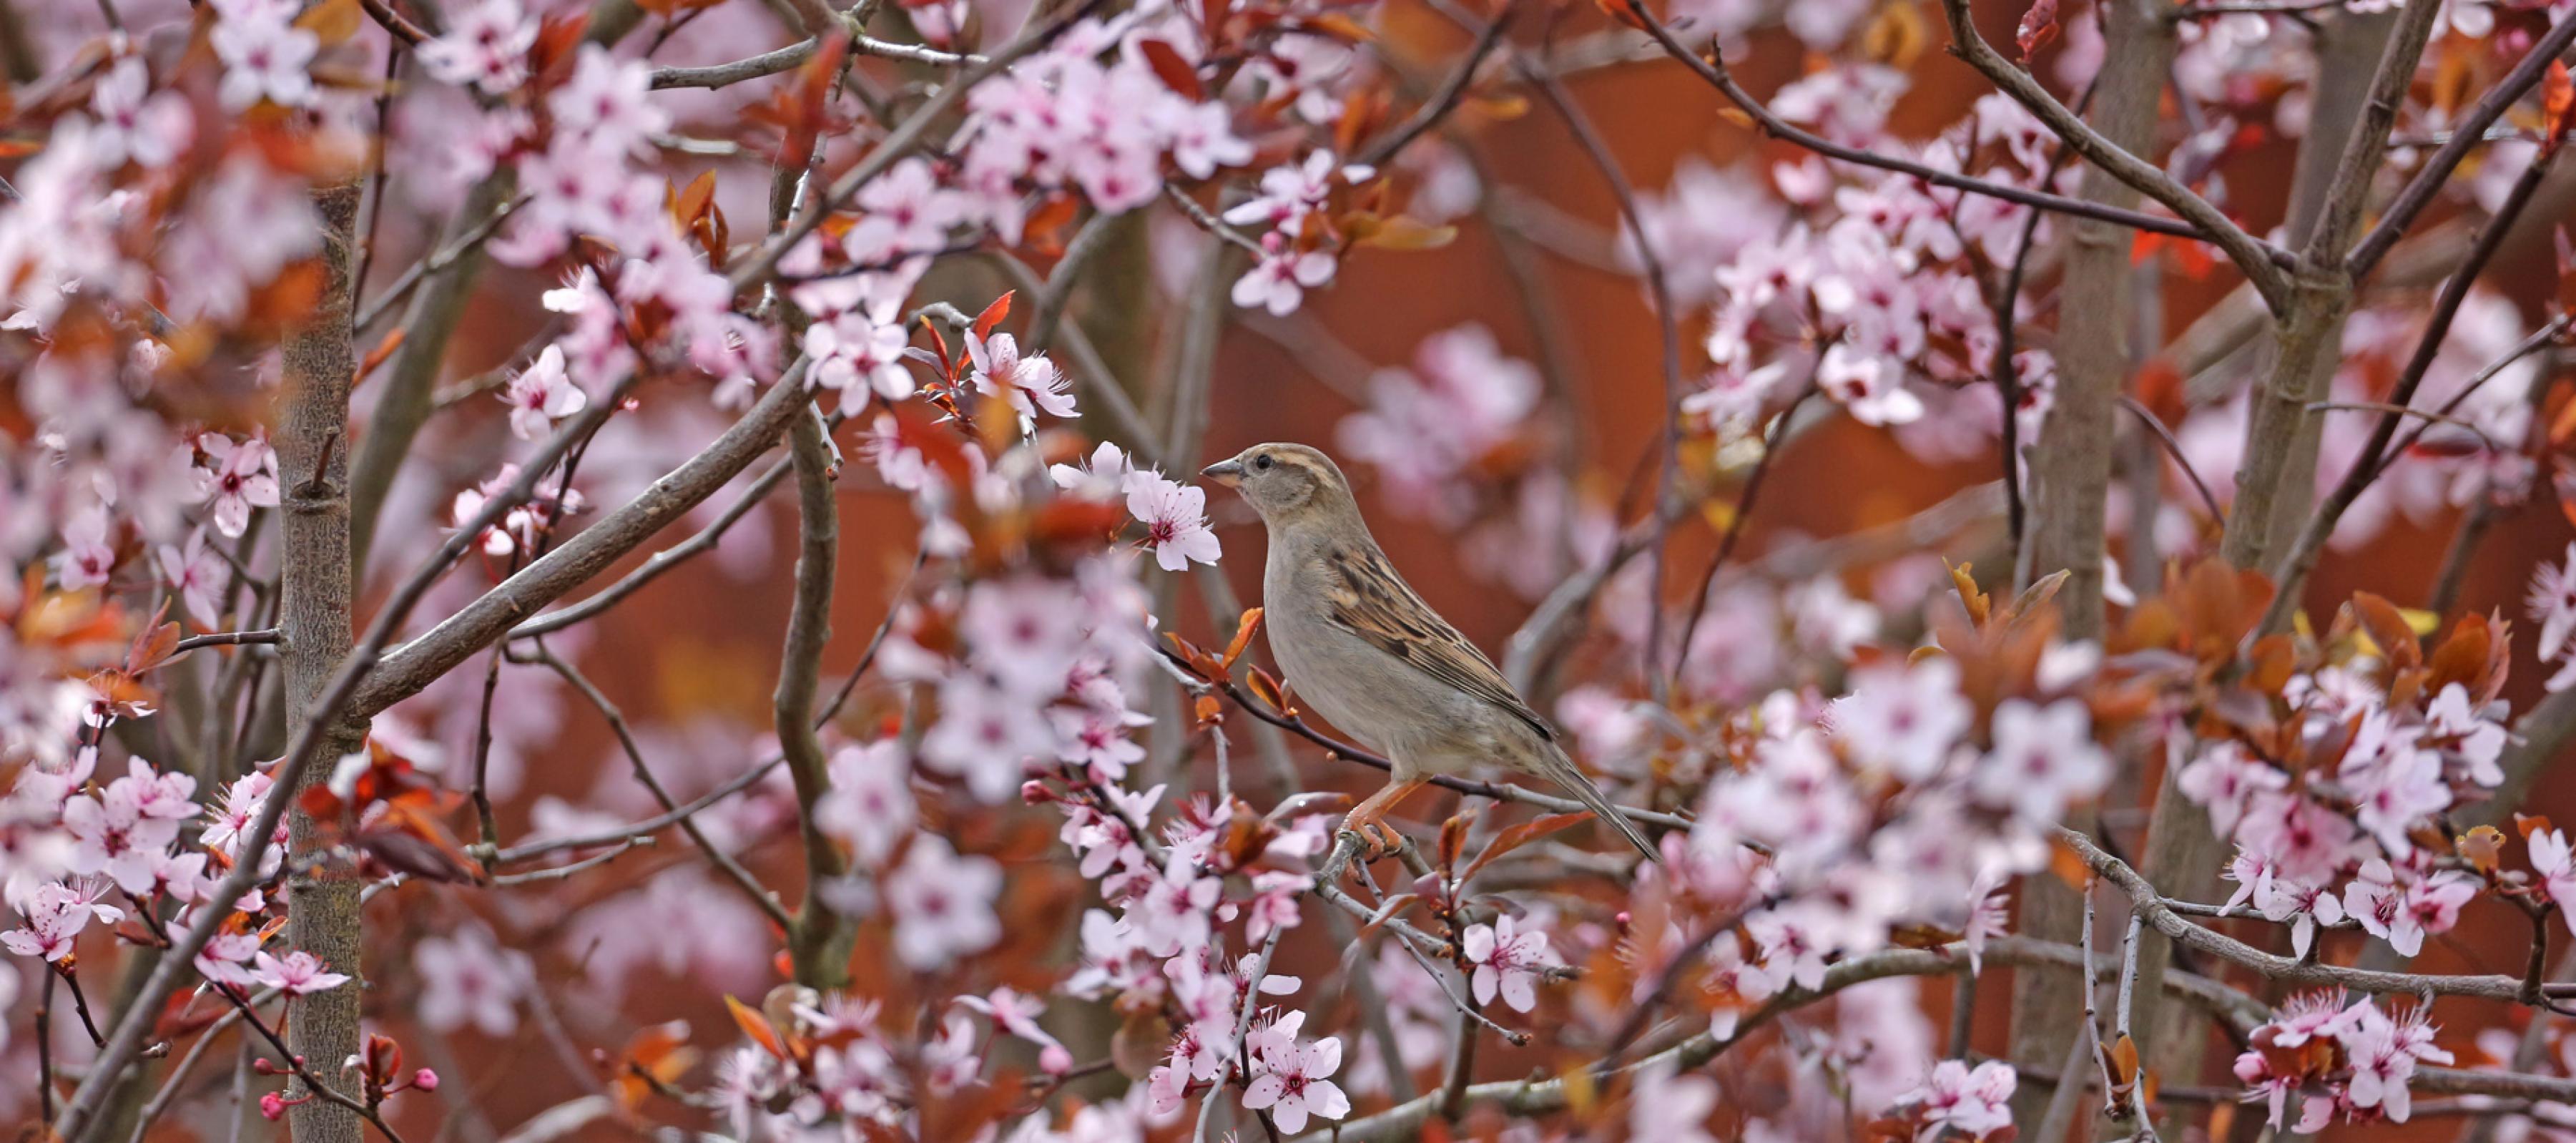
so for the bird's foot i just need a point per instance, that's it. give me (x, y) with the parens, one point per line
(1377, 839)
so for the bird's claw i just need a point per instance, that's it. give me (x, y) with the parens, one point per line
(1377, 839)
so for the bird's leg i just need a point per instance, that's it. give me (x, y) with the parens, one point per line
(1368, 818)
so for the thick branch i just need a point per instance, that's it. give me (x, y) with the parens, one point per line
(314, 632)
(572, 563)
(2375, 456)
(2151, 906)
(2071, 469)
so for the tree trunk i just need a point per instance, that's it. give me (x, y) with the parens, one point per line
(2071, 469)
(315, 634)
(2359, 59)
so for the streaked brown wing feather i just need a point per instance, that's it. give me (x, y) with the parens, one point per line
(1365, 597)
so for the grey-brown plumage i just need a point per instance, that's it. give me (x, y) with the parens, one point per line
(1375, 660)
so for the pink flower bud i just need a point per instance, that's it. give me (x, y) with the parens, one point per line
(1055, 1059)
(1036, 793)
(425, 1080)
(272, 1106)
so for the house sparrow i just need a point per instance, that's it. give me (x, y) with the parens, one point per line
(1375, 659)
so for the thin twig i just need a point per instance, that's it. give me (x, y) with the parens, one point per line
(725, 863)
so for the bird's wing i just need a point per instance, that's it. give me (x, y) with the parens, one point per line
(1363, 595)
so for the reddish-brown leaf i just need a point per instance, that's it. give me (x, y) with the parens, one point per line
(1977, 603)
(757, 1027)
(153, 647)
(1243, 629)
(1517, 836)
(2386, 624)
(2482, 848)
(1175, 72)
(993, 314)
(2275, 658)
(660, 1052)
(1269, 690)
(2038, 26)
(376, 357)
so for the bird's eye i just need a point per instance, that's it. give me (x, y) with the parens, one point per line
(1262, 462)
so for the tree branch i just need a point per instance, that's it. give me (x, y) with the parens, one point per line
(2465, 134)
(818, 941)
(1713, 71)
(2254, 258)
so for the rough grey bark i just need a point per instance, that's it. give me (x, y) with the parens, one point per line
(2070, 472)
(315, 633)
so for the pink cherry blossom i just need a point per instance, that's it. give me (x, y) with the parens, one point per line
(2044, 759)
(88, 557)
(607, 104)
(1279, 279)
(135, 123)
(870, 805)
(1508, 960)
(1030, 383)
(264, 54)
(1175, 519)
(942, 903)
(55, 915)
(299, 973)
(199, 574)
(486, 46)
(1972, 1103)
(541, 395)
(244, 477)
(1903, 718)
(467, 980)
(1292, 1079)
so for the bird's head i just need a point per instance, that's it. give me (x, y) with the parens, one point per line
(1284, 482)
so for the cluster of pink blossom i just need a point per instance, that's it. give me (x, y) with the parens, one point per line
(1878, 271)
(2381, 770)
(1810, 836)
(1432, 431)
(2354, 1060)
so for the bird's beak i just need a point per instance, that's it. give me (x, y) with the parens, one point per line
(1225, 472)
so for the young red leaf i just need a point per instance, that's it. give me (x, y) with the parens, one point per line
(757, 1027)
(993, 314)
(1243, 629)
(1174, 71)
(1520, 835)
(2038, 26)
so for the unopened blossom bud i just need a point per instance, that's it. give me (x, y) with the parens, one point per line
(272, 1107)
(1036, 793)
(425, 1080)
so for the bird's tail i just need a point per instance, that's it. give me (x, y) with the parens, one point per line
(1562, 771)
